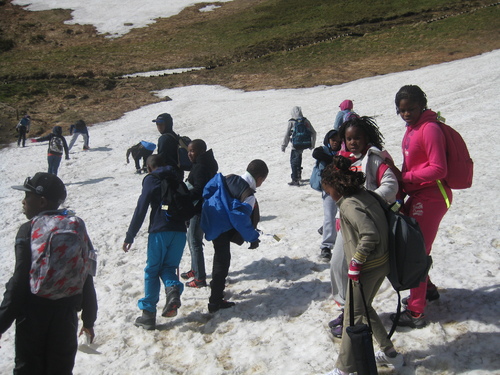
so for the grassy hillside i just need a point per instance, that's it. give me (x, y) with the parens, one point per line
(60, 73)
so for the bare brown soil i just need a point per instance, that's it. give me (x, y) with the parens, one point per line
(95, 97)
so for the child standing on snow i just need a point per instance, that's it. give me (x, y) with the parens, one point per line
(308, 140)
(57, 145)
(424, 168)
(324, 156)
(364, 148)
(230, 213)
(364, 229)
(203, 170)
(344, 114)
(23, 127)
(46, 329)
(77, 129)
(166, 241)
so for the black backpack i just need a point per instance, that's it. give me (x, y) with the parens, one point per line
(408, 259)
(301, 134)
(183, 161)
(176, 201)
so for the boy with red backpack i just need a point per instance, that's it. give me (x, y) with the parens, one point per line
(45, 307)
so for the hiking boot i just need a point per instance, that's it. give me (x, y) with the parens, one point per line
(410, 319)
(173, 301)
(395, 362)
(187, 275)
(86, 148)
(337, 331)
(338, 321)
(294, 183)
(195, 283)
(326, 254)
(147, 320)
(214, 307)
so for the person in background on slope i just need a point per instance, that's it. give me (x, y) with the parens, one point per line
(57, 145)
(365, 233)
(168, 142)
(298, 145)
(166, 241)
(77, 129)
(230, 213)
(364, 148)
(46, 329)
(345, 113)
(142, 150)
(203, 170)
(324, 156)
(424, 164)
(23, 128)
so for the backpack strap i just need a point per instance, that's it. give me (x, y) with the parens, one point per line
(351, 307)
(396, 317)
(380, 172)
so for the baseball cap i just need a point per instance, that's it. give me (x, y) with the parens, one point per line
(164, 117)
(45, 184)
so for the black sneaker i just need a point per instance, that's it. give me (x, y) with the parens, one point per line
(214, 307)
(326, 254)
(173, 301)
(195, 283)
(187, 275)
(294, 183)
(147, 320)
(408, 319)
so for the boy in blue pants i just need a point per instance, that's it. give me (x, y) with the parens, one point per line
(166, 241)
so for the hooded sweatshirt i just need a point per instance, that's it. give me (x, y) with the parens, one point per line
(56, 132)
(296, 115)
(424, 153)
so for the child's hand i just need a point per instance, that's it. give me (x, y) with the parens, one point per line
(89, 332)
(354, 270)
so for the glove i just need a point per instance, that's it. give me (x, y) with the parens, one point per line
(283, 148)
(254, 244)
(33, 140)
(354, 272)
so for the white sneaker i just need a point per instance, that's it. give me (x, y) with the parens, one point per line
(382, 359)
(336, 371)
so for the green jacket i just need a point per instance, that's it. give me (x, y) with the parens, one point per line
(364, 229)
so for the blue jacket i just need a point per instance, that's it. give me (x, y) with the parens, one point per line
(222, 211)
(151, 196)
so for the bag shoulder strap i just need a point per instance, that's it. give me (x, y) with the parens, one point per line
(351, 307)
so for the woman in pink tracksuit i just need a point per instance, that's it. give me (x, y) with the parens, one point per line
(422, 178)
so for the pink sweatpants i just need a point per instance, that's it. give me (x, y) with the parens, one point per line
(428, 207)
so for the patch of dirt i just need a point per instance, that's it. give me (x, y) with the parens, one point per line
(95, 97)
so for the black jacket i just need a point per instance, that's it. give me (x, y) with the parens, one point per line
(201, 172)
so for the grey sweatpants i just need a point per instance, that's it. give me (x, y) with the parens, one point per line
(338, 271)
(329, 213)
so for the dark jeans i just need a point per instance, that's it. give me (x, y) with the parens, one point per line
(220, 269)
(195, 242)
(46, 340)
(54, 162)
(296, 164)
(22, 136)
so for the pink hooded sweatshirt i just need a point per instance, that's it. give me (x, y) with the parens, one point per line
(424, 152)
